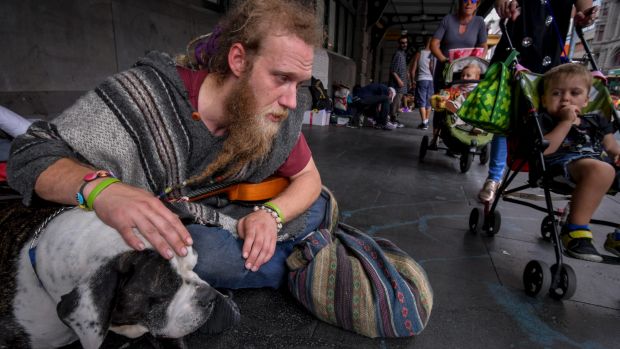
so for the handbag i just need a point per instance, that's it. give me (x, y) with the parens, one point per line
(489, 105)
(363, 284)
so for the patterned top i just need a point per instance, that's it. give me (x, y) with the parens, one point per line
(399, 66)
(583, 138)
(534, 36)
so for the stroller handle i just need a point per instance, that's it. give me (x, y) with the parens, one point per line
(584, 42)
(502, 27)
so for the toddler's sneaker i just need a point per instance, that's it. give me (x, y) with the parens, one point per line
(612, 244)
(578, 244)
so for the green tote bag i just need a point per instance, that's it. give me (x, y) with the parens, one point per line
(489, 105)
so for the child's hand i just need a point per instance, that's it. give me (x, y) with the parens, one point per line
(569, 113)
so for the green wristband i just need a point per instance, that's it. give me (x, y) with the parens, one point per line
(275, 208)
(98, 189)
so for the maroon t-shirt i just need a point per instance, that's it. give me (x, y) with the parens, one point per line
(299, 156)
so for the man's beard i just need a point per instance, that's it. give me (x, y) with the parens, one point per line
(250, 133)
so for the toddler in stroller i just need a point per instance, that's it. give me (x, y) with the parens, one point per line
(576, 143)
(562, 133)
(459, 137)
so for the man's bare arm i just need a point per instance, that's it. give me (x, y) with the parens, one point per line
(259, 230)
(121, 206)
(303, 190)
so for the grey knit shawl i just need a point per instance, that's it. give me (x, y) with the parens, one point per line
(138, 124)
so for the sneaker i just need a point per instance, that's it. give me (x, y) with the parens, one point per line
(389, 126)
(398, 124)
(487, 193)
(425, 127)
(578, 244)
(421, 126)
(612, 244)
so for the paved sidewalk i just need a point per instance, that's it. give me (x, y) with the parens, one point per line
(424, 208)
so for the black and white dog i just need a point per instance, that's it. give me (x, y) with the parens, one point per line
(77, 279)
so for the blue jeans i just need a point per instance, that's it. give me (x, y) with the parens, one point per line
(499, 152)
(219, 254)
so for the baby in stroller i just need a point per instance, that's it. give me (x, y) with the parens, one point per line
(458, 136)
(459, 92)
(576, 144)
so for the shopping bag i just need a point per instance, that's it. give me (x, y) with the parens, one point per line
(489, 105)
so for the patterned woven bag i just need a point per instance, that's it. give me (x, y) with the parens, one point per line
(359, 283)
(489, 105)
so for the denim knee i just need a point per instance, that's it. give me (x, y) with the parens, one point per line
(220, 260)
(317, 213)
(221, 264)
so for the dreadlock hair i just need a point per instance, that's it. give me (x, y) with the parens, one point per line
(253, 20)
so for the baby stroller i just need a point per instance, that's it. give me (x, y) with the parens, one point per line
(559, 280)
(459, 137)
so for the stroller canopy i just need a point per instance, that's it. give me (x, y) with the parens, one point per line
(530, 85)
(457, 66)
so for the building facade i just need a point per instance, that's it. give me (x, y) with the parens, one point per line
(606, 42)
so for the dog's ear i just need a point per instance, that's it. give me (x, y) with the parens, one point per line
(87, 309)
(225, 315)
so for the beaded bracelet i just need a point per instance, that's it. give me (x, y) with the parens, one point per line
(275, 208)
(273, 214)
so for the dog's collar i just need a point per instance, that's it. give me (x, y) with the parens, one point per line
(32, 251)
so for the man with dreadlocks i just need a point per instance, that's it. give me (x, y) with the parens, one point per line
(133, 147)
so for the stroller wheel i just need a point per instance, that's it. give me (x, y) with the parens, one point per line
(423, 148)
(476, 219)
(466, 159)
(493, 221)
(536, 278)
(484, 155)
(566, 285)
(546, 228)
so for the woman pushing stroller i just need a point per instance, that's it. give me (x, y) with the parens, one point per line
(576, 143)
